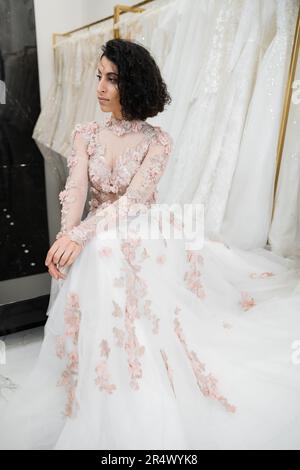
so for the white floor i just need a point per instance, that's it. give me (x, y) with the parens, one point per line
(22, 349)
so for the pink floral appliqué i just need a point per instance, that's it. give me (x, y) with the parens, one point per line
(177, 310)
(169, 369)
(193, 274)
(206, 383)
(247, 301)
(145, 255)
(60, 347)
(161, 259)
(103, 376)
(262, 275)
(136, 289)
(117, 310)
(105, 251)
(120, 336)
(68, 342)
(152, 317)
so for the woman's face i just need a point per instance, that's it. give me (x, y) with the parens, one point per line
(108, 87)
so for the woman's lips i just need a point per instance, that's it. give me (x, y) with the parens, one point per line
(103, 100)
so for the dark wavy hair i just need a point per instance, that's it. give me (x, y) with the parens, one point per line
(143, 92)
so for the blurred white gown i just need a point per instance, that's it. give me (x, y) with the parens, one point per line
(148, 344)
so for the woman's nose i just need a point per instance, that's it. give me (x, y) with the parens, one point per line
(100, 87)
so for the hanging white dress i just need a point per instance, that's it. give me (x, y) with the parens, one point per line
(150, 344)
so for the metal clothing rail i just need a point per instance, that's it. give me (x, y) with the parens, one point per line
(286, 107)
(118, 10)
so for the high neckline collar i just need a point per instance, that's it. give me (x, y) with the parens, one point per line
(122, 126)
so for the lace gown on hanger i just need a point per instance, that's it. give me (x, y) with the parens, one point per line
(149, 344)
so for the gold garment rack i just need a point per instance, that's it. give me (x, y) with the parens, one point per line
(120, 9)
(286, 106)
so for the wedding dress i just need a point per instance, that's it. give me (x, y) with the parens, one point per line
(150, 344)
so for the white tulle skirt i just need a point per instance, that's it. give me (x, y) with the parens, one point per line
(149, 345)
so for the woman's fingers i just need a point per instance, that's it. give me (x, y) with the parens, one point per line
(55, 252)
(48, 258)
(70, 254)
(66, 255)
(60, 250)
(50, 254)
(54, 272)
(63, 252)
(73, 256)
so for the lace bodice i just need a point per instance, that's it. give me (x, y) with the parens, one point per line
(123, 161)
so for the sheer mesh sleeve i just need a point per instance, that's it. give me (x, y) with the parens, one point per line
(140, 189)
(74, 195)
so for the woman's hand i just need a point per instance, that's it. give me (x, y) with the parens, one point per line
(63, 252)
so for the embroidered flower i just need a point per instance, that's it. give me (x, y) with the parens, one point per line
(119, 335)
(72, 320)
(93, 126)
(68, 342)
(74, 300)
(144, 255)
(262, 275)
(136, 289)
(247, 301)
(168, 368)
(103, 378)
(105, 251)
(117, 310)
(91, 148)
(206, 383)
(73, 360)
(93, 204)
(192, 276)
(62, 196)
(72, 160)
(60, 347)
(151, 316)
(175, 221)
(135, 368)
(104, 348)
(161, 259)
(123, 126)
(128, 249)
(177, 310)
(102, 373)
(165, 139)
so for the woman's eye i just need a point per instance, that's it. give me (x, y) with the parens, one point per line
(113, 80)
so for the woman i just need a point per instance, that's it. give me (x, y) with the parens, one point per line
(151, 344)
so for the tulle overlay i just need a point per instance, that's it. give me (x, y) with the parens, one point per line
(152, 345)
(149, 343)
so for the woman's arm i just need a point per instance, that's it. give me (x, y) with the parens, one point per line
(72, 198)
(74, 195)
(141, 187)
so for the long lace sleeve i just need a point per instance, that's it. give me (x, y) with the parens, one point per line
(74, 195)
(139, 191)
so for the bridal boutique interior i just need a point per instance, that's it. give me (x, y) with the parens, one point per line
(232, 68)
